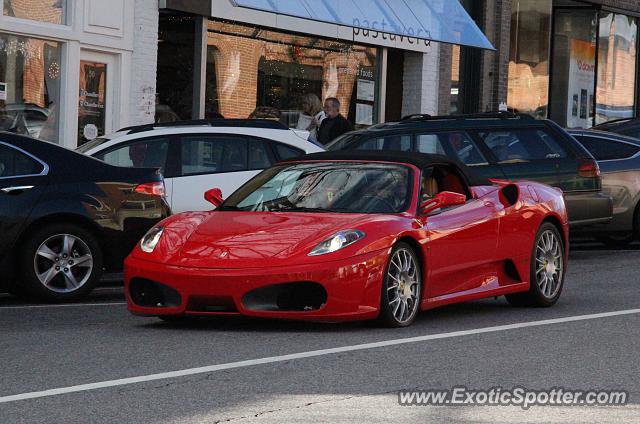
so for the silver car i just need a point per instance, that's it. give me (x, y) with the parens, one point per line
(619, 159)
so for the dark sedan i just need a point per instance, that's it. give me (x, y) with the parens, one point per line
(619, 159)
(66, 217)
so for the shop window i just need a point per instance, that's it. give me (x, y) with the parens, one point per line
(176, 43)
(30, 72)
(49, 11)
(528, 85)
(617, 61)
(574, 64)
(275, 75)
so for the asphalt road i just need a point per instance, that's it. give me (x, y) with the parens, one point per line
(49, 347)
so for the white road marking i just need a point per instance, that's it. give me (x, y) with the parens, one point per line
(302, 355)
(65, 305)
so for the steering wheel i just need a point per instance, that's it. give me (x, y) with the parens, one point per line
(380, 200)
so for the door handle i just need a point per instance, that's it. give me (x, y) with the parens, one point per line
(16, 189)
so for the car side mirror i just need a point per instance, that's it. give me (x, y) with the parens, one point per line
(443, 200)
(214, 196)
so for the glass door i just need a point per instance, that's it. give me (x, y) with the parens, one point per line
(573, 75)
(94, 96)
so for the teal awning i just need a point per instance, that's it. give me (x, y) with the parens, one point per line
(444, 21)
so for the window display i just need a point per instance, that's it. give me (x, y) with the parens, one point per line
(268, 74)
(30, 72)
(49, 11)
(617, 61)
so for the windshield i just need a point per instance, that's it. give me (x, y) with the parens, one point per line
(326, 187)
(91, 144)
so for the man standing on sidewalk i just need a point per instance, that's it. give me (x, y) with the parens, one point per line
(334, 125)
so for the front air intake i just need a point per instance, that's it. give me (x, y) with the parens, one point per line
(150, 294)
(287, 297)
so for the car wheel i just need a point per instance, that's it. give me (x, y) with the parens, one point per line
(61, 262)
(547, 270)
(401, 288)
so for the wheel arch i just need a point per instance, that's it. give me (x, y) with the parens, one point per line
(555, 221)
(417, 249)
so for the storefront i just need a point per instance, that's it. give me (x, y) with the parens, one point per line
(254, 62)
(573, 62)
(66, 68)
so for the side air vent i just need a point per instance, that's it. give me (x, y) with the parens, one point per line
(509, 195)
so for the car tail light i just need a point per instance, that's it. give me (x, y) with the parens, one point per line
(154, 189)
(589, 169)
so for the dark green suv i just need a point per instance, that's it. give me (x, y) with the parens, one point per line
(499, 145)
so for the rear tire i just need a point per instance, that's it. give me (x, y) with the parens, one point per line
(60, 263)
(401, 288)
(547, 270)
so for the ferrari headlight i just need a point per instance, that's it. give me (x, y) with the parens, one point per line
(151, 239)
(337, 241)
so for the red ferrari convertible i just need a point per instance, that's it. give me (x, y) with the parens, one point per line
(354, 235)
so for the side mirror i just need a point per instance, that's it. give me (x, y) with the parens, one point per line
(443, 200)
(214, 196)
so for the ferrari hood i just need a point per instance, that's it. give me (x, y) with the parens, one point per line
(256, 239)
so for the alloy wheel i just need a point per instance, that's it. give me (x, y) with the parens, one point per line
(63, 263)
(403, 289)
(549, 264)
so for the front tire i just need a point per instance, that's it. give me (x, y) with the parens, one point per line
(60, 262)
(401, 288)
(547, 270)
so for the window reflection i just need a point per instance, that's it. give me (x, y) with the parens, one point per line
(49, 11)
(617, 59)
(528, 90)
(275, 75)
(30, 71)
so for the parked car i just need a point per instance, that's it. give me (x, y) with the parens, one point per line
(20, 118)
(502, 146)
(348, 235)
(65, 216)
(196, 155)
(619, 159)
(625, 126)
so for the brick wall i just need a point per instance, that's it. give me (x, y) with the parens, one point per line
(144, 63)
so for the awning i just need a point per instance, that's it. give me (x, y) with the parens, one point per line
(444, 21)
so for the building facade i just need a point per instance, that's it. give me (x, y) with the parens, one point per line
(72, 70)
(216, 59)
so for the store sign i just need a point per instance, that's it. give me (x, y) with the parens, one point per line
(582, 68)
(378, 37)
(92, 101)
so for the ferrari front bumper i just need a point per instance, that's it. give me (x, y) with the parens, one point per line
(351, 289)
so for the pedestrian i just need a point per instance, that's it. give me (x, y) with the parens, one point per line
(311, 115)
(334, 124)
